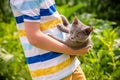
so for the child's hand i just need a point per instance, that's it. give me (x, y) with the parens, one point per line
(81, 51)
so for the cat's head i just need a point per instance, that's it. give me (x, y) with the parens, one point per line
(79, 32)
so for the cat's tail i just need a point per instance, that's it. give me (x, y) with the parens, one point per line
(64, 20)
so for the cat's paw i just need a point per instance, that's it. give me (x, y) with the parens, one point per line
(59, 26)
(89, 46)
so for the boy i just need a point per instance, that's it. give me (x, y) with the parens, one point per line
(47, 58)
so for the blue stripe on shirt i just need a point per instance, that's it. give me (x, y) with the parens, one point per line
(27, 46)
(59, 35)
(32, 17)
(43, 57)
(43, 12)
(20, 19)
(49, 11)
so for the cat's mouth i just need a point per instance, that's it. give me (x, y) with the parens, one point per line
(78, 40)
(75, 40)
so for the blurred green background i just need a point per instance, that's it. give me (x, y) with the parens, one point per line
(101, 63)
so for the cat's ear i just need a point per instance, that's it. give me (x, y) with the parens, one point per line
(75, 20)
(88, 30)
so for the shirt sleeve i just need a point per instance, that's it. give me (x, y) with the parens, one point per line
(30, 9)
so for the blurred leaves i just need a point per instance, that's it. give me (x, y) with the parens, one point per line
(105, 9)
(5, 11)
(12, 60)
(68, 11)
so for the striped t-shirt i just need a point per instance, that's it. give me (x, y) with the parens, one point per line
(43, 65)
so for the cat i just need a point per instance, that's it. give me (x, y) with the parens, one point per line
(78, 34)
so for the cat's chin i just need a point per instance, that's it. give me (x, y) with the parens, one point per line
(80, 41)
(72, 40)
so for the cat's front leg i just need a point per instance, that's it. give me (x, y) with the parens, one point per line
(62, 28)
(65, 20)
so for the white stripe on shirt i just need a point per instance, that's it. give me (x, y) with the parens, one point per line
(48, 3)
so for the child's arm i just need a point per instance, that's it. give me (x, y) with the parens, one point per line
(41, 40)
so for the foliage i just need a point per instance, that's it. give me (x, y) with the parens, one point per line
(105, 9)
(12, 60)
(67, 10)
(5, 11)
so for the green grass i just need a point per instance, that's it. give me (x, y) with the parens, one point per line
(12, 60)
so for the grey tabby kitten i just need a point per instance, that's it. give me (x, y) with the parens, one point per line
(78, 34)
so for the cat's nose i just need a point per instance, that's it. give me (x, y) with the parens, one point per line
(72, 37)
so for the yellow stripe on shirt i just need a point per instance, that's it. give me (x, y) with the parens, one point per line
(21, 33)
(50, 24)
(43, 26)
(51, 70)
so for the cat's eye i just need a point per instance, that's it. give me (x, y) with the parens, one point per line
(78, 35)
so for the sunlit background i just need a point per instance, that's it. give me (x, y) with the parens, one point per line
(103, 60)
